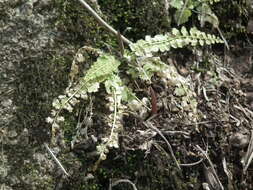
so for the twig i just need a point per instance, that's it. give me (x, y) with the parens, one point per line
(211, 166)
(167, 155)
(228, 173)
(249, 155)
(177, 132)
(245, 111)
(121, 45)
(102, 22)
(168, 144)
(56, 160)
(122, 181)
(223, 38)
(204, 93)
(199, 123)
(192, 164)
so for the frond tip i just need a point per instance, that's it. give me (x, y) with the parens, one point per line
(175, 39)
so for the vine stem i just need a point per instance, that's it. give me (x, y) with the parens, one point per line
(102, 22)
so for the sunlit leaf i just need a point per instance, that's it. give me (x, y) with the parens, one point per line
(182, 17)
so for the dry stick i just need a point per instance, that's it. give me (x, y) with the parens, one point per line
(184, 165)
(56, 160)
(122, 181)
(177, 132)
(168, 144)
(102, 22)
(223, 38)
(121, 45)
(192, 164)
(249, 155)
(211, 165)
(228, 173)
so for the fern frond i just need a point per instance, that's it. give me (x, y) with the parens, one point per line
(99, 72)
(84, 57)
(212, 1)
(115, 89)
(175, 39)
(145, 68)
(101, 69)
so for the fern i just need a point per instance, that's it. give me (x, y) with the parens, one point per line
(115, 90)
(100, 71)
(212, 1)
(175, 39)
(145, 68)
(141, 64)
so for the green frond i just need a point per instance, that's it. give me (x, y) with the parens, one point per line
(212, 1)
(175, 39)
(146, 67)
(115, 89)
(101, 69)
(98, 72)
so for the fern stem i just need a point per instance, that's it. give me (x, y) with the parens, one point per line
(114, 115)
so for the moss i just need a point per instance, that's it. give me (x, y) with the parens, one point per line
(135, 19)
(79, 25)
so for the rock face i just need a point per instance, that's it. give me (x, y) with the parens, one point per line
(35, 58)
(30, 42)
(27, 36)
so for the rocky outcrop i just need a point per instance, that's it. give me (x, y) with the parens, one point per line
(27, 41)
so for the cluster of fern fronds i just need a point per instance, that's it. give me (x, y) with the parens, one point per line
(140, 63)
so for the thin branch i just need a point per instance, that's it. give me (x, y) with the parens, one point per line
(167, 155)
(192, 164)
(102, 22)
(56, 160)
(176, 132)
(121, 45)
(122, 181)
(249, 155)
(168, 144)
(211, 166)
(223, 38)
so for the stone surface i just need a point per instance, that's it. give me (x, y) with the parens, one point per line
(25, 32)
